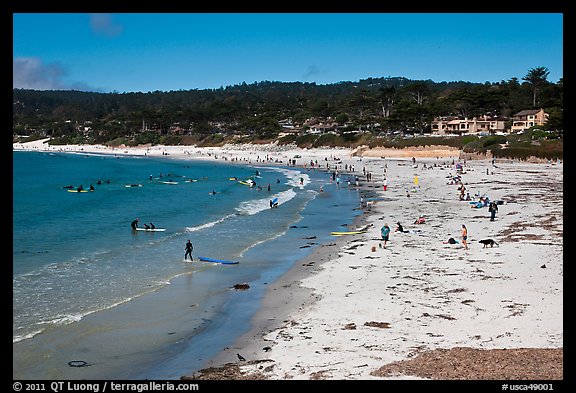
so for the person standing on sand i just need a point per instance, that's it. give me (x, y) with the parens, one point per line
(465, 236)
(385, 185)
(385, 232)
(189, 248)
(492, 208)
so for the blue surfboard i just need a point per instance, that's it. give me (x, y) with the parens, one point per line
(222, 261)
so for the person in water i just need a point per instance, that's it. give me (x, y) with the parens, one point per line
(188, 249)
(152, 226)
(134, 223)
(146, 226)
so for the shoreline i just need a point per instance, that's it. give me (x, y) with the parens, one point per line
(429, 296)
(178, 283)
(278, 304)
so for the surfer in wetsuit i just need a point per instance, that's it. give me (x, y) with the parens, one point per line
(189, 248)
(134, 224)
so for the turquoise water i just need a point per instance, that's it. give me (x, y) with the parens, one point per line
(74, 254)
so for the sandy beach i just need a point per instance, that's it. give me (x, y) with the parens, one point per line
(420, 307)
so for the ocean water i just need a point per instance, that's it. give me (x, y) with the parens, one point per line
(85, 286)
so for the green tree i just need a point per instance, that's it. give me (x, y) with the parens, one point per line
(387, 97)
(537, 77)
(341, 118)
(418, 91)
(555, 119)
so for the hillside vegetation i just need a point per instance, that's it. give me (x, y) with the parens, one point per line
(388, 112)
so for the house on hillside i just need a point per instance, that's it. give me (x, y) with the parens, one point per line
(476, 126)
(320, 126)
(289, 128)
(527, 118)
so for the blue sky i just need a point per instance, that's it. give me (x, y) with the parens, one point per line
(141, 52)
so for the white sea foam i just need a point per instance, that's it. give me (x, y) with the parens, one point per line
(66, 319)
(262, 241)
(208, 224)
(18, 338)
(295, 177)
(257, 205)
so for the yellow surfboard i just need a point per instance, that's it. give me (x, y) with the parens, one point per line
(347, 233)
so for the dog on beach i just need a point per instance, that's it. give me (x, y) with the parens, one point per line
(488, 242)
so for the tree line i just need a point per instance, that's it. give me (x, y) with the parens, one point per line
(375, 105)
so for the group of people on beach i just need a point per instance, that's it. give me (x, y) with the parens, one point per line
(492, 208)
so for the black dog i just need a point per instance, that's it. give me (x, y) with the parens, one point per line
(488, 242)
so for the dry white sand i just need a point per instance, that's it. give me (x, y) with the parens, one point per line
(363, 309)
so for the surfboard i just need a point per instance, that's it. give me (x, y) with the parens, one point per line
(191, 181)
(243, 182)
(151, 230)
(133, 185)
(170, 182)
(79, 191)
(222, 261)
(347, 233)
